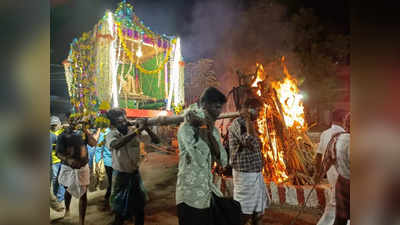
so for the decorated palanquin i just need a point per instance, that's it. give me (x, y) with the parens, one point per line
(122, 63)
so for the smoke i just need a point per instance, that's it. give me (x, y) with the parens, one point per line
(238, 36)
(261, 35)
(207, 27)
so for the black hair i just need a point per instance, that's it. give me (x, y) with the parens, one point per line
(70, 139)
(252, 103)
(338, 115)
(211, 95)
(114, 113)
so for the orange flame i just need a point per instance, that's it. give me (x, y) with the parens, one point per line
(293, 113)
(260, 71)
(290, 99)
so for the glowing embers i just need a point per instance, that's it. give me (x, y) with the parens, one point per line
(271, 148)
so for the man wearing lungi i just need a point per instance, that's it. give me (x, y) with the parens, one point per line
(127, 193)
(247, 163)
(74, 173)
(337, 127)
(342, 194)
(199, 146)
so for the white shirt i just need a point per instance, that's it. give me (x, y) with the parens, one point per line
(332, 174)
(343, 155)
(326, 137)
(127, 158)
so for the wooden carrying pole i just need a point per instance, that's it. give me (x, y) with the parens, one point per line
(174, 120)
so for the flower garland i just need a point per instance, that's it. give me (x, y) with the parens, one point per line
(151, 34)
(79, 115)
(136, 21)
(160, 67)
(102, 122)
(81, 73)
(121, 5)
(178, 109)
(130, 54)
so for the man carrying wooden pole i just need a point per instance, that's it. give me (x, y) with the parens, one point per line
(247, 163)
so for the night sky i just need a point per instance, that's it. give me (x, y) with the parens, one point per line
(69, 18)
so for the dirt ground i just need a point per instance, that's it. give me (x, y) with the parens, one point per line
(159, 176)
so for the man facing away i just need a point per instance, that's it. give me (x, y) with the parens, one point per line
(199, 146)
(74, 172)
(127, 193)
(342, 188)
(247, 163)
(337, 127)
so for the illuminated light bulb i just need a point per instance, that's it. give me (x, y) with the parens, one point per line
(139, 52)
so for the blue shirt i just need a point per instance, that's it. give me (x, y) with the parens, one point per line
(91, 152)
(101, 147)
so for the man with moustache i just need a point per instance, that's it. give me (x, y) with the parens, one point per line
(247, 163)
(199, 147)
(128, 196)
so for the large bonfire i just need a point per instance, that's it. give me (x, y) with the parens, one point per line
(287, 150)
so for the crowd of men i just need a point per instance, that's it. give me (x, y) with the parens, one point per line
(75, 149)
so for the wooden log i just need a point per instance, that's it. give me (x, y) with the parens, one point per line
(308, 140)
(280, 109)
(175, 120)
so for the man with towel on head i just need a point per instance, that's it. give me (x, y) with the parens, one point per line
(328, 217)
(199, 201)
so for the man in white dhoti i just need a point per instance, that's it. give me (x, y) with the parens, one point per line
(247, 163)
(74, 173)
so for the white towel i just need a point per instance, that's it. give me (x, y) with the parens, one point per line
(250, 190)
(76, 180)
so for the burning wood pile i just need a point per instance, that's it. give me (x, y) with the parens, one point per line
(287, 150)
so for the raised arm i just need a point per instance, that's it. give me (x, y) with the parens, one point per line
(117, 143)
(234, 139)
(154, 138)
(223, 159)
(68, 159)
(92, 138)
